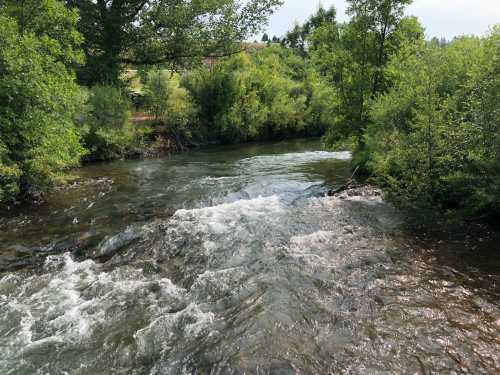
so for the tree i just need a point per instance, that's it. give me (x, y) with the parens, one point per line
(38, 101)
(434, 137)
(170, 106)
(158, 90)
(298, 37)
(109, 133)
(49, 18)
(354, 57)
(380, 18)
(269, 94)
(265, 38)
(178, 32)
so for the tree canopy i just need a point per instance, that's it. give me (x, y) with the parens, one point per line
(174, 32)
(298, 37)
(354, 57)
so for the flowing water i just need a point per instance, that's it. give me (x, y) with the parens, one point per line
(234, 261)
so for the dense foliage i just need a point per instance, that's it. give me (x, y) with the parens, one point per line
(270, 94)
(353, 57)
(435, 135)
(176, 33)
(38, 99)
(170, 106)
(299, 37)
(422, 117)
(108, 131)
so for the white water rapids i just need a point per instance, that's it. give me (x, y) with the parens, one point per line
(264, 275)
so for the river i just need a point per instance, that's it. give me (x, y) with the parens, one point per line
(232, 260)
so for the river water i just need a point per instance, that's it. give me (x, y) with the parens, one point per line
(234, 261)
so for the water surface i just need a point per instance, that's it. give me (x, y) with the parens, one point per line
(233, 261)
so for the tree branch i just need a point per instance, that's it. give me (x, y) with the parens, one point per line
(166, 59)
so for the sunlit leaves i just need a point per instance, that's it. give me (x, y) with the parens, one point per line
(38, 99)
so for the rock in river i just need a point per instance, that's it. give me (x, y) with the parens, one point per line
(111, 245)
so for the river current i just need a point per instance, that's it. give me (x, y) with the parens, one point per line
(235, 261)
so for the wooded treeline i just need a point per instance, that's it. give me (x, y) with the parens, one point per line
(421, 116)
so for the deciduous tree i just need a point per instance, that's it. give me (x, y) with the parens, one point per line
(175, 32)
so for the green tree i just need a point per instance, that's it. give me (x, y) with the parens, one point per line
(434, 138)
(354, 57)
(179, 32)
(157, 92)
(214, 92)
(297, 38)
(109, 133)
(51, 19)
(38, 101)
(269, 94)
(170, 105)
(377, 20)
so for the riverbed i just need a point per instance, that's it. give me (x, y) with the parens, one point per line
(233, 260)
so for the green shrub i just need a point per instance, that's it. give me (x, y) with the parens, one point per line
(109, 133)
(157, 91)
(322, 106)
(169, 104)
(9, 176)
(38, 99)
(434, 139)
(269, 94)
(214, 93)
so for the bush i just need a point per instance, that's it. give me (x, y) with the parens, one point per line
(38, 99)
(260, 96)
(214, 93)
(170, 105)
(109, 133)
(157, 91)
(10, 175)
(434, 139)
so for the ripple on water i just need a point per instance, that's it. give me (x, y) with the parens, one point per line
(281, 283)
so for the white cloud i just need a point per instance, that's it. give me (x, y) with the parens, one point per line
(442, 18)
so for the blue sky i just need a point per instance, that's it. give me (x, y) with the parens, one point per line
(441, 18)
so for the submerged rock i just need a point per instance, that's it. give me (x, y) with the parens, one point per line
(110, 246)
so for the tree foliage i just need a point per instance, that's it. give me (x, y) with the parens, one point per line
(108, 132)
(298, 37)
(38, 100)
(178, 33)
(270, 94)
(51, 19)
(354, 55)
(170, 105)
(435, 135)
(422, 117)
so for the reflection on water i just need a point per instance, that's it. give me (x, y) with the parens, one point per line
(232, 261)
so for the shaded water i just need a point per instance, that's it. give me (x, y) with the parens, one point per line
(233, 261)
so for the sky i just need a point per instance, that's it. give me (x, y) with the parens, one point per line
(441, 18)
